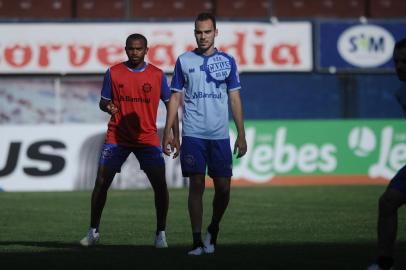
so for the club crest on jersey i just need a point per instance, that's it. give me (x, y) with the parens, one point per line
(218, 68)
(147, 87)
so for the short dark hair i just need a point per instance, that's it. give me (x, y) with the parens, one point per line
(135, 37)
(206, 16)
(400, 44)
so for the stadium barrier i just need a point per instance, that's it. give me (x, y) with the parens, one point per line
(64, 157)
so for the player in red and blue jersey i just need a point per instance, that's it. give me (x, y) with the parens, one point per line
(131, 94)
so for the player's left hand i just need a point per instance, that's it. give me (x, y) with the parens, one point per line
(170, 145)
(240, 146)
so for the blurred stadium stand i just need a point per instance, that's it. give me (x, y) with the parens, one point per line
(96, 9)
(318, 8)
(186, 9)
(36, 9)
(243, 9)
(387, 8)
(163, 9)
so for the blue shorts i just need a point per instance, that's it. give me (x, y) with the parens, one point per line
(399, 180)
(196, 154)
(113, 156)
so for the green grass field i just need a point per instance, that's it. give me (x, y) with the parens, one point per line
(314, 227)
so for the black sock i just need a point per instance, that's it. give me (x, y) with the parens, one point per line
(160, 228)
(197, 240)
(213, 229)
(385, 262)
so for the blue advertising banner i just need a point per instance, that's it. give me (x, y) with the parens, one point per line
(356, 46)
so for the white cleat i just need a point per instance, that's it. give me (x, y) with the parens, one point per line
(208, 246)
(196, 252)
(374, 267)
(160, 240)
(91, 239)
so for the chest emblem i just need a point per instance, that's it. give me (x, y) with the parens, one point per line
(147, 87)
(218, 68)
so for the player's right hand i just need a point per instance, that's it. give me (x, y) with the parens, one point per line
(111, 108)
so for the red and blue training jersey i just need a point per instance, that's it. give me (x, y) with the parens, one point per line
(136, 92)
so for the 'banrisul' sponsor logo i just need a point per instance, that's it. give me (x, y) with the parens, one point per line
(201, 94)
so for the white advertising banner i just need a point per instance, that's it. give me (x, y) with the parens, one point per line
(44, 157)
(65, 157)
(92, 47)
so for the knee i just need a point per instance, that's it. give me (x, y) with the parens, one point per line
(223, 190)
(388, 204)
(156, 176)
(160, 187)
(158, 183)
(196, 190)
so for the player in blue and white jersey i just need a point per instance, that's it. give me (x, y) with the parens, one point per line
(207, 79)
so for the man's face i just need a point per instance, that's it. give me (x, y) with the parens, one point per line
(136, 51)
(205, 34)
(399, 56)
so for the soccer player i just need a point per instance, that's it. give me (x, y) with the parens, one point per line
(207, 78)
(395, 194)
(131, 93)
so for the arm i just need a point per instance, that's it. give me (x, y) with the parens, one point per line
(172, 122)
(240, 146)
(105, 104)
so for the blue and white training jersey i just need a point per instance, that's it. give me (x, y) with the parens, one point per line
(205, 81)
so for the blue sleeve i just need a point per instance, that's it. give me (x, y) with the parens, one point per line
(165, 92)
(178, 80)
(106, 92)
(233, 80)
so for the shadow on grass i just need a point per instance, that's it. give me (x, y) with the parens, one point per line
(309, 256)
